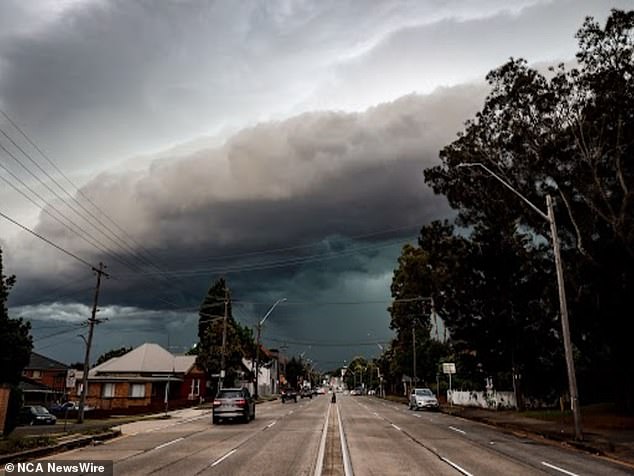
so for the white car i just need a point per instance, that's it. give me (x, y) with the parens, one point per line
(423, 398)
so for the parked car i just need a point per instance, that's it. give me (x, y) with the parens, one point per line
(233, 403)
(423, 398)
(306, 393)
(289, 394)
(67, 407)
(36, 415)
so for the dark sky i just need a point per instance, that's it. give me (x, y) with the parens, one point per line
(278, 144)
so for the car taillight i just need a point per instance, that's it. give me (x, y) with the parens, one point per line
(241, 402)
(217, 403)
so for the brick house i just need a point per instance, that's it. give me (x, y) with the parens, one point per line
(141, 378)
(43, 380)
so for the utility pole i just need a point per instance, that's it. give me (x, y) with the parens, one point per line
(91, 328)
(570, 363)
(256, 392)
(414, 352)
(224, 340)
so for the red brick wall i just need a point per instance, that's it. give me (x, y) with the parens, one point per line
(4, 404)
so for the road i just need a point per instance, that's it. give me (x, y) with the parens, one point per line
(358, 435)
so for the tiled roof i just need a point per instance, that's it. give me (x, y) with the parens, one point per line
(40, 362)
(147, 358)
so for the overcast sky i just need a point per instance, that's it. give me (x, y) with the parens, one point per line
(278, 144)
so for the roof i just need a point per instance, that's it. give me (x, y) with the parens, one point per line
(40, 362)
(147, 358)
(29, 385)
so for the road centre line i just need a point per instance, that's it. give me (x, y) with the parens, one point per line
(458, 430)
(271, 424)
(557, 468)
(347, 465)
(322, 445)
(396, 427)
(221, 459)
(451, 463)
(169, 443)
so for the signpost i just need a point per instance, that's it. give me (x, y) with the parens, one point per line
(449, 368)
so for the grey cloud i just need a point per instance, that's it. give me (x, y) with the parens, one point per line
(105, 80)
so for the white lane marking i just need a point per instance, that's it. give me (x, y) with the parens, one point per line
(322, 446)
(557, 468)
(291, 412)
(458, 430)
(451, 463)
(169, 443)
(347, 466)
(396, 427)
(271, 424)
(220, 460)
(417, 416)
(375, 414)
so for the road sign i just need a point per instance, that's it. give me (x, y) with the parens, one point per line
(70, 378)
(449, 368)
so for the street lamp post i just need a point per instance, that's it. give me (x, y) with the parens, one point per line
(257, 348)
(563, 306)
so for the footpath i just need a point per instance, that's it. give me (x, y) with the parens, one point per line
(610, 436)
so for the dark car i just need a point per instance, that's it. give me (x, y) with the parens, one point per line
(235, 404)
(306, 393)
(289, 394)
(36, 415)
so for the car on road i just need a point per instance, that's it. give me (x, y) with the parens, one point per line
(289, 394)
(423, 398)
(306, 393)
(36, 415)
(234, 404)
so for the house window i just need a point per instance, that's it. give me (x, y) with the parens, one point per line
(107, 390)
(37, 374)
(195, 388)
(137, 390)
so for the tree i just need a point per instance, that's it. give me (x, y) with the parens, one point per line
(239, 341)
(296, 371)
(570, 136)
(15, 349)
(113, 353)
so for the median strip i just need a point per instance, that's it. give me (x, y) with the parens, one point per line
(322, 446)
(347, 465)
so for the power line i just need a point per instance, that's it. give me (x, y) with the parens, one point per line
(63, 250)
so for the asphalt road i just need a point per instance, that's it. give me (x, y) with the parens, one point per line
(379, 437)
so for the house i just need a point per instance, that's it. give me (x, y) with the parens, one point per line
(147, 377)
(272, 366)
(43, 380)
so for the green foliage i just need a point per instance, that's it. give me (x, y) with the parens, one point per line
(113, 353)
(239, 342)
(15, 338)
(296, 371)
(570, 135)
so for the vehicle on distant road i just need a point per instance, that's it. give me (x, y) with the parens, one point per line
(234, 404)
(289, 394)
(423, 398)
(36, 415)
(306, 393)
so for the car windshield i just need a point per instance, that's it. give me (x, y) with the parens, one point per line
(39, 409)
(424, 392)
(230, 394)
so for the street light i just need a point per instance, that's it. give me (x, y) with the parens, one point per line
(563, 306)
(257, 348)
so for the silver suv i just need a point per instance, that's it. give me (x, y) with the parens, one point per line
(233, 403)
(423, 398)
